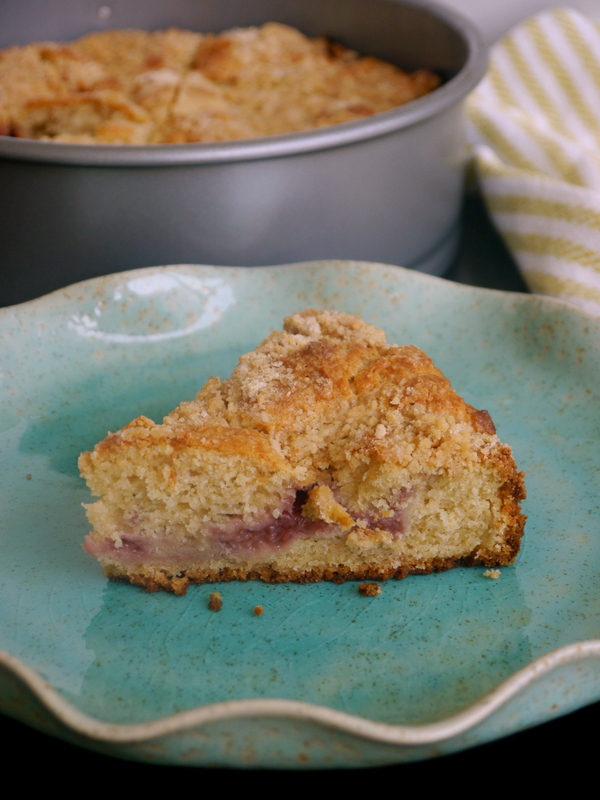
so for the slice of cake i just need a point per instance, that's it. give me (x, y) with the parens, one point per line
(327, 455)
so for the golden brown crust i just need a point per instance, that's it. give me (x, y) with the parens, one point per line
(222, 440)
(482, 421)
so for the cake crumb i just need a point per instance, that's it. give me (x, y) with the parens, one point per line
(28, 476)
(258, 610)
(491, 573)
(216, 601)
(369, 589)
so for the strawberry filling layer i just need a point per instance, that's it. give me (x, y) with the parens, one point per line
(234, 537)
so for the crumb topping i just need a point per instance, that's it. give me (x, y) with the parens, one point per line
(331, 395)
(491, 573)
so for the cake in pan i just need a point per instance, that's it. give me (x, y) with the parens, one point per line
(327, 455)
(177, 86)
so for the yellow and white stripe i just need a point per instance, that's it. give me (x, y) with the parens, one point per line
(535, 130)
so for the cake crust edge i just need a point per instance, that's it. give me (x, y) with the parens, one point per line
(154, 579)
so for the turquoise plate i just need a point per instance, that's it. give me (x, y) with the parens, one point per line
(324, 677)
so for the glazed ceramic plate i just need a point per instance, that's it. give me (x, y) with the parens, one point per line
(324, 677)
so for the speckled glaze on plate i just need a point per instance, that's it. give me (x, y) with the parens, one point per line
(324, 677)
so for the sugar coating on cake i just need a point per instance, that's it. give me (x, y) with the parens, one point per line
(175, 86)
(327, 455)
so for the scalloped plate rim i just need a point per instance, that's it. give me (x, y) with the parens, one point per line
(384, 733)
(62, 294)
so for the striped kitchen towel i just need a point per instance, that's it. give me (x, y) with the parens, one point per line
(535, 129)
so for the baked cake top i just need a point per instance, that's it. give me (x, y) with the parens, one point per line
(174, 86)
(327, 395)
